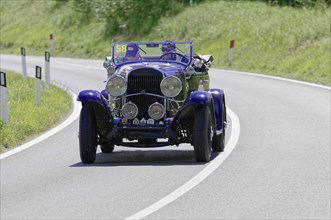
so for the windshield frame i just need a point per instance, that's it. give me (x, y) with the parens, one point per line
(151, 52)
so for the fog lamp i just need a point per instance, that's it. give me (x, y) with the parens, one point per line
(156, 111)
(130, 110)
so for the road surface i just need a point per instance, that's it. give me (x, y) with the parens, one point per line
(278, 169)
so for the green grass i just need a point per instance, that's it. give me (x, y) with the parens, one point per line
(26, 119)
(283, 41)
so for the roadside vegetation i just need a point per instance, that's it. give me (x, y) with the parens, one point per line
(287, 38)
(284, 38)
(26, 119)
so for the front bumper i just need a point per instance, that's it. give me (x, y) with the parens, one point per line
(142, 132)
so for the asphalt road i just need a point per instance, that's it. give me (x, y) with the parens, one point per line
(278, 169)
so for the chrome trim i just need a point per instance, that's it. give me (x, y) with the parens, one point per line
(150, 94)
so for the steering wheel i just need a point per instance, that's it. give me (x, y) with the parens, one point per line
(172, 54)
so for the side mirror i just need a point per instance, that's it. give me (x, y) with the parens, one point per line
(110, 71)
(107, 62)
(109, 66)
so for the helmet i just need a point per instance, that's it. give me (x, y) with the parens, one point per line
(132, 49)
(168, 45)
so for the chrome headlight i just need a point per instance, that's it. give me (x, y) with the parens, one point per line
(171, 86)
(116, 86)
(156, 111)
(130, 110)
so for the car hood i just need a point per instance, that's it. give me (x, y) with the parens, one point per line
(164, 67)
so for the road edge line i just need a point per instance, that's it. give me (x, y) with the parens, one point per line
(276, 78)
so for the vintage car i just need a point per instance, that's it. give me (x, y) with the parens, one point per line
(161, 98)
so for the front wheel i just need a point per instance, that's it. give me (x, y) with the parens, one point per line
(202, 132)
(87, 135)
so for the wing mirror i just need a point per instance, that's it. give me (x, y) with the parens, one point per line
(109, 66)
(110, 71)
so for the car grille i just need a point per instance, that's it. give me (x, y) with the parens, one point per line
(147, 80)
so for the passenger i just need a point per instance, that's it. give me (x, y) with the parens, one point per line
(132, 52)
(169, 48)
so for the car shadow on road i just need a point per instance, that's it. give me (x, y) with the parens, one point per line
(145, 157)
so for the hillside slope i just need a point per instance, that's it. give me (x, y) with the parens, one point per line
(283, 41)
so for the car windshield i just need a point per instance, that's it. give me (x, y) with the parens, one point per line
(151, 51)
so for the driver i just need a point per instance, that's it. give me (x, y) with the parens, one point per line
(132, 52)
(169, 49)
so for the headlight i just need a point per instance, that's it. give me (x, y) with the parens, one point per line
(130, 110)
(156, 111)
(116, 86)
(171, 86)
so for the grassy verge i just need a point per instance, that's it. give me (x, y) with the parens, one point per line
(25, 118)
(282, 41)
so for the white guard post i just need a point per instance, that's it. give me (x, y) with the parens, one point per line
(3, 98)
(51, 44)
(38, 85)
(231, 52)
(47, 73)
(200, 86)
(25, 75)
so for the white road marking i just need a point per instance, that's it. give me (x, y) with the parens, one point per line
(276, 77)
(210, 168)
(74, 115)
(78, 65)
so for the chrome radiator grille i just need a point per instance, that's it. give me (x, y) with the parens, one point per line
(144, 80)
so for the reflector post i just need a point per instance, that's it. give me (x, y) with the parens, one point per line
(38, 85)
(231, 43)
(51, 44)
(47, 73)
(23, 59)
(38, 72)
(3, 81)
(231, 52)
(3, 98)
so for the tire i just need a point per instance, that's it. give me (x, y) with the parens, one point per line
(107, 148)
(202, 130)
(218, 142)
(87, 135)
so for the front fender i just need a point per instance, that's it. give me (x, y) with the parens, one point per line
(213, 98)
(186, 112)
(88, 96)
(101, 110)
(219, 99)
(198, 98)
